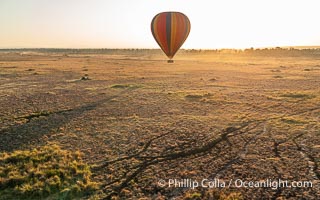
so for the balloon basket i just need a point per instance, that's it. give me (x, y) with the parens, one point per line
(170, 61)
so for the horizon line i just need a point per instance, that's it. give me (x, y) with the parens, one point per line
(130, 48)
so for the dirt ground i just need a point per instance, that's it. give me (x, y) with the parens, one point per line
(142, 122)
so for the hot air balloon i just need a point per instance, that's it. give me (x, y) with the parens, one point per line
(170, 30)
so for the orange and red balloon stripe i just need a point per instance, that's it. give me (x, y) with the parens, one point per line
(170, 30)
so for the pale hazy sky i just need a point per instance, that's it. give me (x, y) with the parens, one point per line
(126, 23)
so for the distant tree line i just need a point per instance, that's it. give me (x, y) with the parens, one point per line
(84, 51)
(277, 51)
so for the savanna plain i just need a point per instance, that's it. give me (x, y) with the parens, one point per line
(120, 125)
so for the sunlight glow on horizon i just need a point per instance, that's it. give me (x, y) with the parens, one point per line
(126, 23)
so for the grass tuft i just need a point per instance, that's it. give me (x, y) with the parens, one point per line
(194, 96)
(292, 121)
(197, 96)
(298, 96)
(124, 86)
(46, 172)
(212, 194)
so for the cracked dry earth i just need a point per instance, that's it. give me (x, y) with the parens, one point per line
(138, 119)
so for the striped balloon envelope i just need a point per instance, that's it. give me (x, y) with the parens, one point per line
(170, 30)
